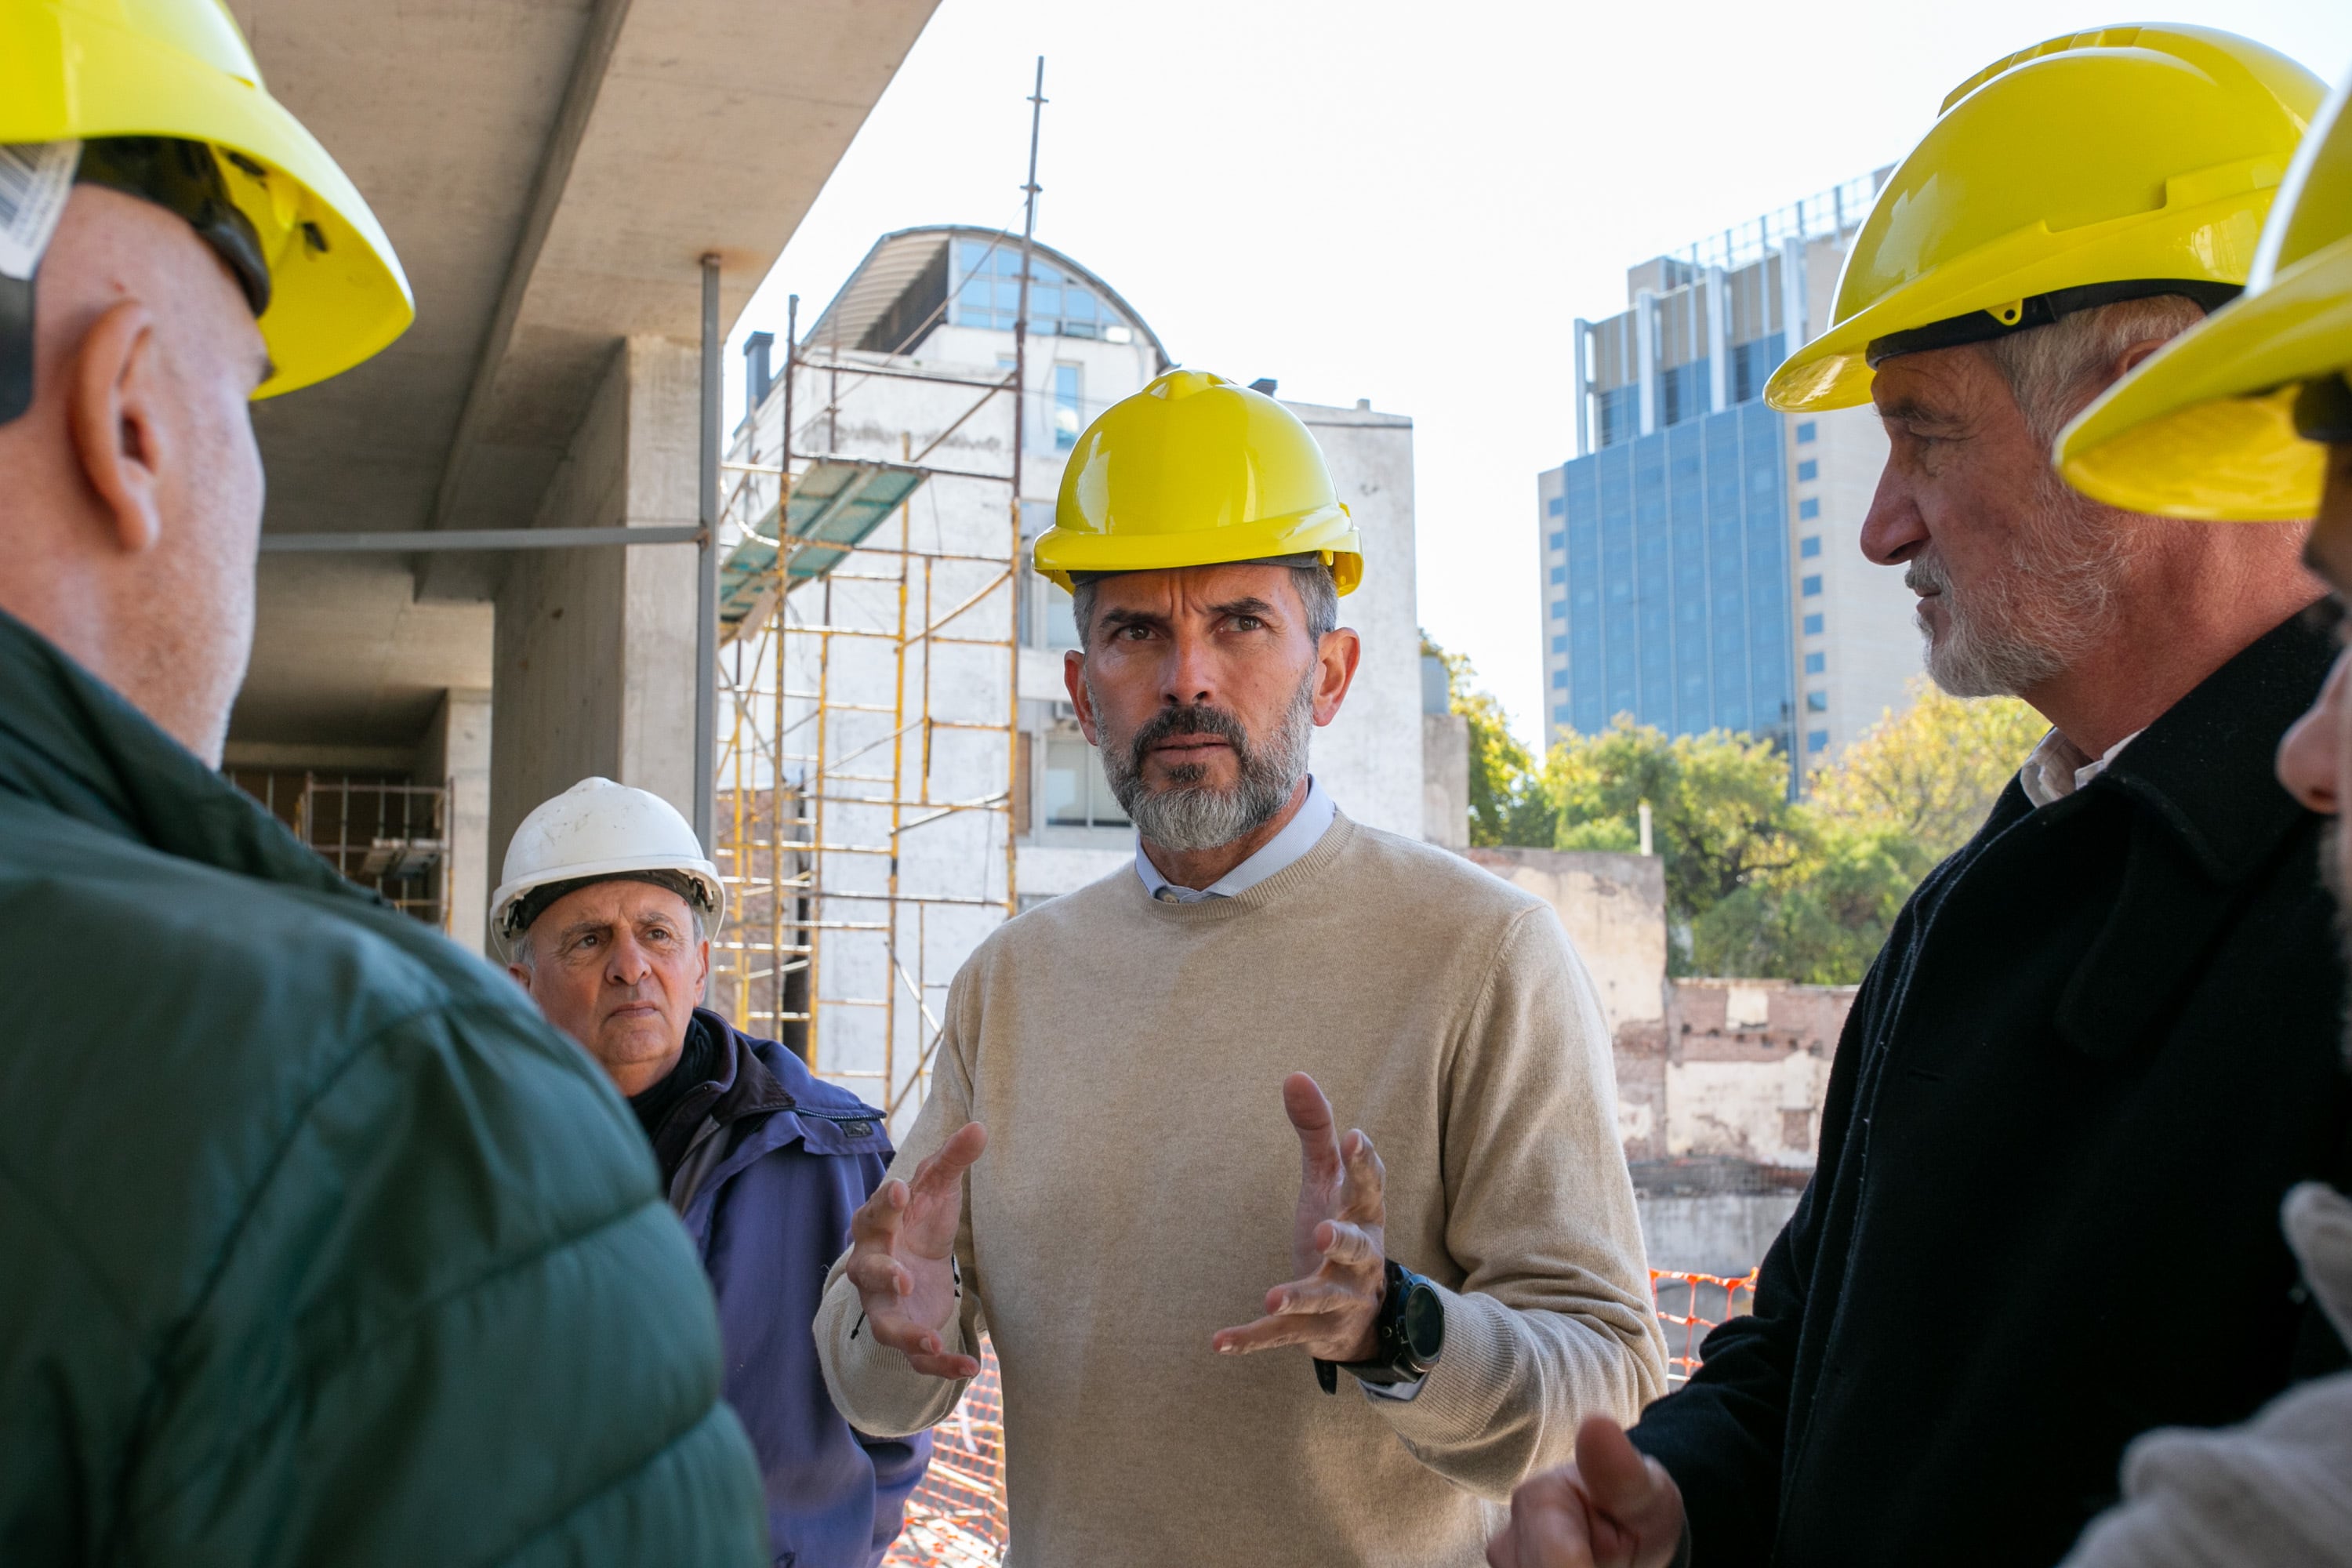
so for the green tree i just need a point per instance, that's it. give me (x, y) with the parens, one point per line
(1504, 806)
(1932, 771)
(1902, 799)
(1719, 803)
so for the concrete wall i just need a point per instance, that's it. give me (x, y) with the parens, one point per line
(595, 647)
(1719, 1082)
(1614, 909)
(1723, 1234)
(1370, 756)
(1445, 780)
(456, 753)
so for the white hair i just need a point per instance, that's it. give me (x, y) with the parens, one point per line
(2053, 372)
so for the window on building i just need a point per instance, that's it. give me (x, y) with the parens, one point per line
(1811, 586)
(1559, 679)
(1077, 793)
(1556, 505)
(1808, 509)
(1816, 663)
(1804, 431)
(1817, 702)
(1810, 547)
(1559, 643)
(987, 293)
(1817, 740)
(1619, 411)
(1808, 470)
(1751, 365)
(1559, 609)
(1560, 715)
(1069, 405)
(1558, 540)
(1559, 573)
(1812, 626)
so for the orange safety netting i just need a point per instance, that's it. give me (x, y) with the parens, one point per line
(1678, 1298)
(957, 1518)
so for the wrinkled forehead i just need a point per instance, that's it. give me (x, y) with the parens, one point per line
(1198, 590)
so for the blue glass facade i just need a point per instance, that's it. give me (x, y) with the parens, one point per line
(1675, 587)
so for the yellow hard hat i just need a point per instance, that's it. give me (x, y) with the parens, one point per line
(89, 70)
(1195, 471)
(2100, 166)
(2207, 428)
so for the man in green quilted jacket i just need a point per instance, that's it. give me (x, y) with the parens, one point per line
(316, 1245)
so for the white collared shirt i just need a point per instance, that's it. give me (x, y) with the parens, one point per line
(1299, 835)
(2058, 767)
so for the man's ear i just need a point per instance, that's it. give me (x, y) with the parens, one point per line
(2134, 356)
(1335, 670)
(1073, 677)
(116, 409)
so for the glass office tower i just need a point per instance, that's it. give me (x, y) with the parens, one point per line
(1701, 559)
(1669, 580)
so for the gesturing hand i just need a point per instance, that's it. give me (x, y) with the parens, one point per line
(901, 1251)
(1613, 1508)
(1336, 1241)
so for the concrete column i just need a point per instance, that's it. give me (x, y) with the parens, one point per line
(456, 753)
(1794, 325)
(1645, 354)
(594, 663)
(1718, 346)
(1582, 332)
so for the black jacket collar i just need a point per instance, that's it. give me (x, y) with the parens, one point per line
(739, 1085)
(2206, 767)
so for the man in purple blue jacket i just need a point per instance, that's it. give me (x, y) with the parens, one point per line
(606, 913)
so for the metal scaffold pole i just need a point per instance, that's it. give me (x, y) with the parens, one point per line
(875, 648)
(706, 580)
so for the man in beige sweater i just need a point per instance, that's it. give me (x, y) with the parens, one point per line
(1135, 1238)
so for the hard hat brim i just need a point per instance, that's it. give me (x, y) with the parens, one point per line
(2204, 429)
(1328, 530)
(705, 875)
(336, 299)
(1833, 370)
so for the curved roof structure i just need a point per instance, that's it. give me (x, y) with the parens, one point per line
(906, 285)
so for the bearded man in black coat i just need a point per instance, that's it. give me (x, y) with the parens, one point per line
(2098, 1048)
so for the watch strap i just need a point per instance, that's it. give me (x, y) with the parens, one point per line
(1392, 1360)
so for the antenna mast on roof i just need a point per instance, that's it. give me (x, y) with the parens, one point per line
(1020, 438)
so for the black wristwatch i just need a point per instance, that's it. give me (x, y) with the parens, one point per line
(1408, 1336)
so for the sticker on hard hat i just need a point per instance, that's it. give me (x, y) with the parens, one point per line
(35, 178)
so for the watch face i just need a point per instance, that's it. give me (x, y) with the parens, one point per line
(1425, 1324)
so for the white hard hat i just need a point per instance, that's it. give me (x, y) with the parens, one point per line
(597, 829)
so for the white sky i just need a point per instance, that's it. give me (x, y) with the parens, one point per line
(1411, 202)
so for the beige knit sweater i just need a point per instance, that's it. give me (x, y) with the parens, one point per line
(1126, 1057)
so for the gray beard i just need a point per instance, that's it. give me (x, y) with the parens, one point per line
(2057, 599)
(1191, 814)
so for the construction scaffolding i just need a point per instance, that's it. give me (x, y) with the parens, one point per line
(866, 775)
(870, 773)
